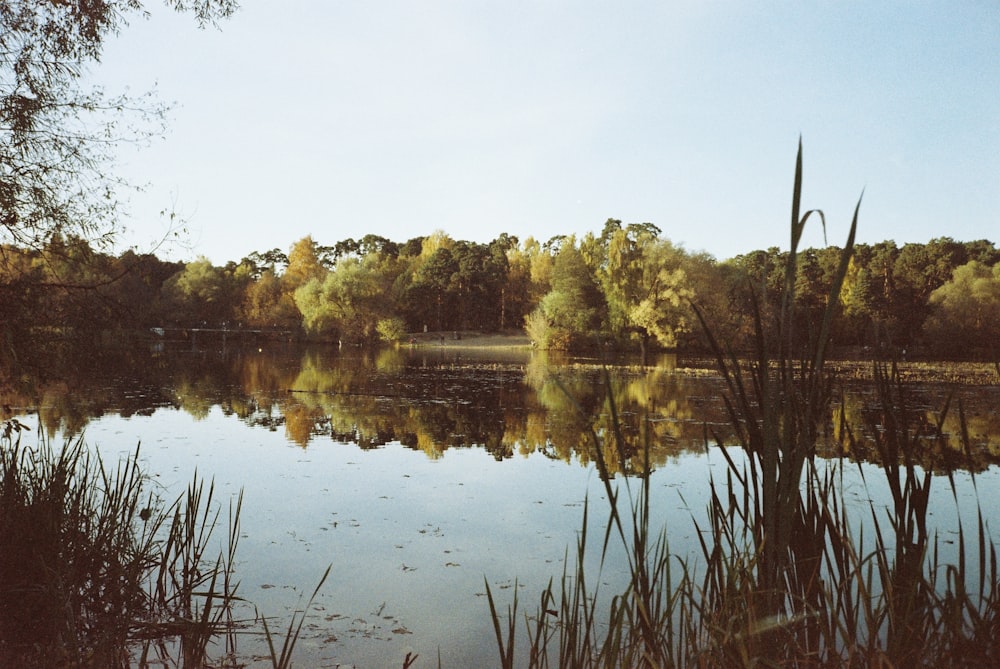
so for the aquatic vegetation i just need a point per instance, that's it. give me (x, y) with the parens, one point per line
(96, 570)
(786, 575)
(282, 659)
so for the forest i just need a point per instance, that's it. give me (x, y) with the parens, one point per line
(628, 288)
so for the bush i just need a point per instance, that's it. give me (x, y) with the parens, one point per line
(391, 329)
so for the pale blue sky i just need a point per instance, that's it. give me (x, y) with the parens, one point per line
(398, 118)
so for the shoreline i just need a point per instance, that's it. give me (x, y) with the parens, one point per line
(466, 339)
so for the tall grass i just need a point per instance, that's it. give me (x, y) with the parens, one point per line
(785, 575)
(68, 582)
(282, 658)
(97, 571)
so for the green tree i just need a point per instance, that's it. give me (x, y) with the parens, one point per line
(574, 307)
(856, 298)
(202, 294)
(273, 261)
(136, 290)
(982, 250)
(919, 270)
(508, 274)
(412, 247)
(872, 306)
(478, 284)
(349, 303)
(965, 312)
(517, 290)
(757, 285)
(391, 329)
(644, 283)
(375, 244)
(709, 281)
(815, 272)
(73, 278)
(540, 261)
(431, 299)
(661, 306)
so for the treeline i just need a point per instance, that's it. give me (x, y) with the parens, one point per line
(627, 287)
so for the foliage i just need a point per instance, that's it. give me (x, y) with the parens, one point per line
(458, 285)
(349, 302)
(630, 287)
(538, 329)
(391, 329)
(304, 265)
(574, 306)
(431, 297)
(273, 261)
(266, 304)
(662, 307)
(644, 281)
(966, 310)
(203, 294)
(58, 140)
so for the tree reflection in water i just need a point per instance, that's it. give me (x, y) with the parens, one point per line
(509, 403)
(398, 527)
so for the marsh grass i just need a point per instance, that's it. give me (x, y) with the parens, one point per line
(281, 658)
(72, 562)
(192, 594)
(98, 572)
(787, 574)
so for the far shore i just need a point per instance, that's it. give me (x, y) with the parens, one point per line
(850, 368)
(467, 339)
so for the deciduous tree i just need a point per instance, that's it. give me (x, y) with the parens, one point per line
(965, 312)
(58, 136)
(574, 307)
(202, 294)
(644, 282)
(349, 303)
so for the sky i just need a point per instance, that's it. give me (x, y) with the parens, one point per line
(399, 118)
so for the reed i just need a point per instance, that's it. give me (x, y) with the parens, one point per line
(787, 574)
(96, 571)
(191, 592)
(282, 658)
(71, 566)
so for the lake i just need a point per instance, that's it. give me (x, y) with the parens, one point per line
(418, 473)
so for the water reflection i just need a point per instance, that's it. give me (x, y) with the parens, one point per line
(505, 401)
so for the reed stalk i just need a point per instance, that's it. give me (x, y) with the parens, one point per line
(282, 658)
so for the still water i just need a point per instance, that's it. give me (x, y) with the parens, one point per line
(416, 474)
